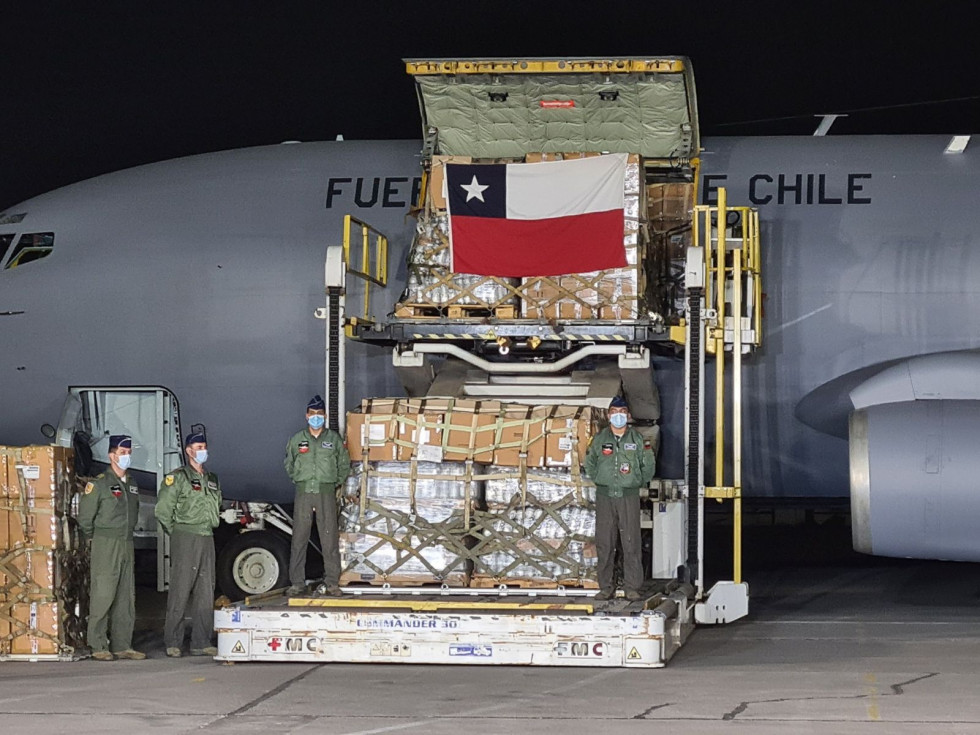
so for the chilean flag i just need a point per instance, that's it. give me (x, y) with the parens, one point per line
(537, 219)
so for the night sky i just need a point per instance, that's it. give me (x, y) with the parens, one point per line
(118, 84)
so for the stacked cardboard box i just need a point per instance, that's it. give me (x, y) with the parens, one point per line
(41, 582)
(407, 523)
(447, 429)
(538, 528)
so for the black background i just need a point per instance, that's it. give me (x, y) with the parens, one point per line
(89, 88)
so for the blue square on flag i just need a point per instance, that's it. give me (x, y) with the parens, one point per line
(537, 219)
(477, 190)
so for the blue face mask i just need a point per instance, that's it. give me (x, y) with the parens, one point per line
(201, 456)
(124, 460)
(316, 421)
(618, 420)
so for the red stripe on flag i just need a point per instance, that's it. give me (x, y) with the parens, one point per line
(490, 246)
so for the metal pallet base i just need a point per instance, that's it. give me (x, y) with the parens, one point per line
(35, 657)
(539, 631)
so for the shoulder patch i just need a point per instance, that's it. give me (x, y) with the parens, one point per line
(168, 480)
(89, 487)
(100, 476)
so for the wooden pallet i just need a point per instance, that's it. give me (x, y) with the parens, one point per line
(455, 579)
(455, 311)
(483, 581)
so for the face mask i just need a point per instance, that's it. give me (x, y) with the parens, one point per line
(201, 456)
(124, 460)
(618, 420)
(316, 421)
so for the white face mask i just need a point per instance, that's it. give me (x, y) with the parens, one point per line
(124, 460)
(618, 420)
(201, 456)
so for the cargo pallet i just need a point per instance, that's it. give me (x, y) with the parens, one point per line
(553, 627)
(455, 311)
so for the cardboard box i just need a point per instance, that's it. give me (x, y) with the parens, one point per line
(545, 436)
(411, 428)
(669, 205)
(34, 573)
(38, 472)
(437, 178)
(35, 524)
(472, 429)
(34, 618)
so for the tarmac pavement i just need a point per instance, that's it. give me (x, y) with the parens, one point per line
(846, 645)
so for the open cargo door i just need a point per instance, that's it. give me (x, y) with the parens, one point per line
(504, 108)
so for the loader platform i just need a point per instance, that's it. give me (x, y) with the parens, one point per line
(554, 627)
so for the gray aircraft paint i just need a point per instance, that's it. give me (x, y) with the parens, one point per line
(208, 270)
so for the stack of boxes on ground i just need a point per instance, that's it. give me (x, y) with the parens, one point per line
(43, 564)
(469, 493)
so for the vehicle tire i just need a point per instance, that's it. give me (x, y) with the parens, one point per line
(251, 563)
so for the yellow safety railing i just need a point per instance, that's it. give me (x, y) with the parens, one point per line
(733, 301)
(365, 256)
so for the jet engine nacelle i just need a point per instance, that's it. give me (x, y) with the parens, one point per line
(915, 479)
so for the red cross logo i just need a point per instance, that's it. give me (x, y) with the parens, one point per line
(274, 643)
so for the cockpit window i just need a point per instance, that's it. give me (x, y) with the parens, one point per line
(30, 247)
(5, 241)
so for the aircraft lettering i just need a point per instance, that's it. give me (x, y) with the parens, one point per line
(392, 192)
(799, 188)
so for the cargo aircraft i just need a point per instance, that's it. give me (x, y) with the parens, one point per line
(202, 275)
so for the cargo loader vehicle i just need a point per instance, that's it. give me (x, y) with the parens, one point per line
(479, 345)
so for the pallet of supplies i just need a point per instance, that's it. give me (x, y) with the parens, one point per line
(43, 560)
(538, 529)
(407, 523)
(616, 294)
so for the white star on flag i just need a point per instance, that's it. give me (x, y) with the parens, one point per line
(474, 190)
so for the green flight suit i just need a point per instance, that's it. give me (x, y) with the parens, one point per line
(107, 513)
(188, 509)
(318, 466)
(619, 466)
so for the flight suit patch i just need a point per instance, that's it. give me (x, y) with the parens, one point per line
(133, 489)
(629, 447)
(647, 445)
(327, 445)
(116, 490)
(89, 487)
(212, 485)
(624, 468)
(304, 447)
(196, 484)
(168, 480)
(607, 449)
